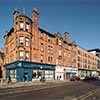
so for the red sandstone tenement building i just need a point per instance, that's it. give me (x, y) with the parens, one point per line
(32, 52)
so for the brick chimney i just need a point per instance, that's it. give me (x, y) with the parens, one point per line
(35, 17)
(66, 37)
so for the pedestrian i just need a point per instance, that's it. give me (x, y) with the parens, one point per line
(9, 80)
(24, 78)
(60, 77)
(57, 77)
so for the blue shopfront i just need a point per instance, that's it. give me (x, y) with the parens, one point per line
(28, 71)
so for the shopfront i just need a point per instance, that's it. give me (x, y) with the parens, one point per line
(71, 72)
(28, 71)
(89, 73)
(60, 73)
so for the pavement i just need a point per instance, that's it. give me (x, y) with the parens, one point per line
(4, 84)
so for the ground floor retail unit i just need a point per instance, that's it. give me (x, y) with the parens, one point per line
(89, 73)
(28, 71)
(65, 73)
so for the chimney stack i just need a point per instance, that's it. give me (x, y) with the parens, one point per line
(66, 37)
(35, 16)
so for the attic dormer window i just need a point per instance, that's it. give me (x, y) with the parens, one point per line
(21, 25)
(41, 35)
(59, 42)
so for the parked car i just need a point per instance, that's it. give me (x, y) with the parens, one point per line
(74, 78)
(86, 78)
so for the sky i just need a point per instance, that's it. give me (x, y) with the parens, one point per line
(81, 18)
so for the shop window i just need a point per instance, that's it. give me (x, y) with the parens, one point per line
(39, 74)
(13, 73)
(27, 41)
(36, 74)
(21, 41)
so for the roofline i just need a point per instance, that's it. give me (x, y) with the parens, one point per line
(24, 16)
(46, 32)
(96, 49)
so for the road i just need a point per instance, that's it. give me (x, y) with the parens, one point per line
(88, 90)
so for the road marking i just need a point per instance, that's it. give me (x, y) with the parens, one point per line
(88, 94)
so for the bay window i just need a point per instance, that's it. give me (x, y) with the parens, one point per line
(21, 55)
(21, 25)
(21, 41)
(27, 55)
(27, 41)
(27, 26)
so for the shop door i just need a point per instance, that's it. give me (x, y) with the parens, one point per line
(25, 76)
(68, 76)
(73, 74)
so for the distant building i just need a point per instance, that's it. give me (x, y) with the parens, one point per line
(87, 63)
(97, 53)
